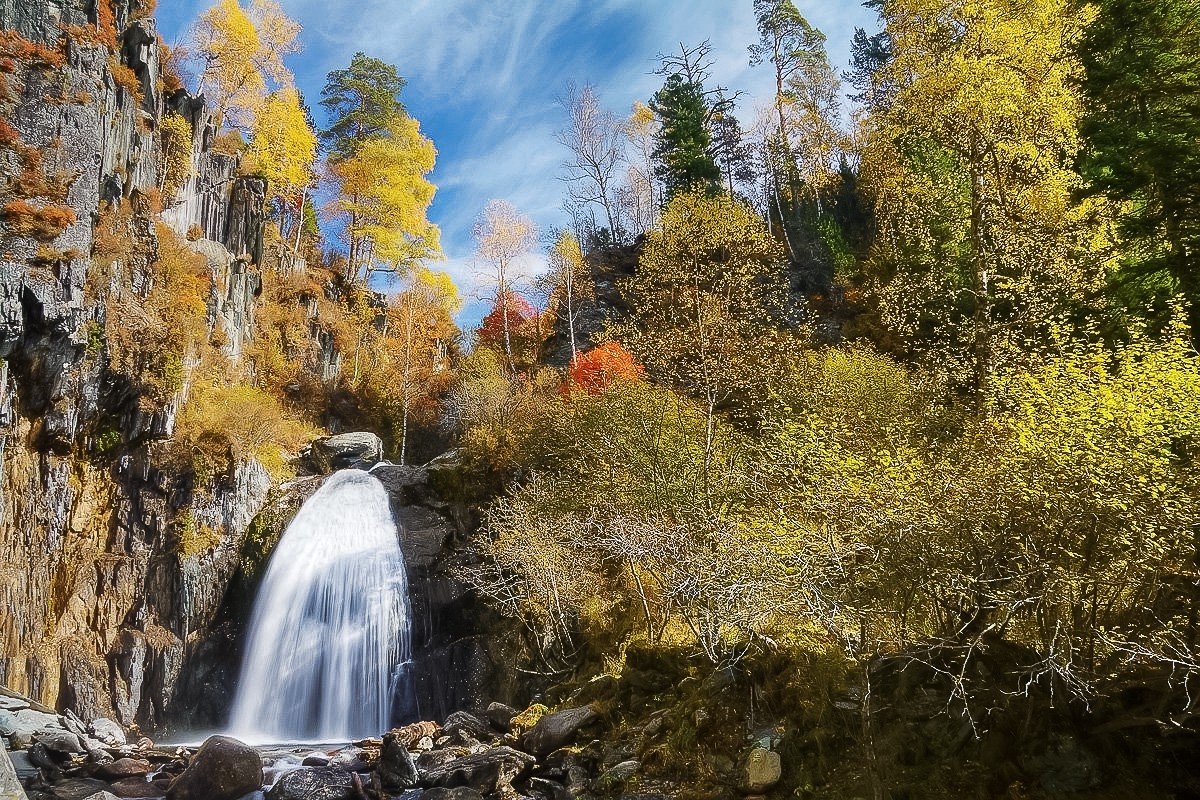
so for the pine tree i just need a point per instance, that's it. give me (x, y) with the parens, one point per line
(683, 146)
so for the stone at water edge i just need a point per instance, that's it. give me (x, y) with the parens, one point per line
(108, 732)
(123, 768)
(461, 793)
(470, 724)
(10, 787)
(222, 769)
(556, 730)
(397, 771)
(490, 771)
(314, 783)
(762, 771)
(102, 796)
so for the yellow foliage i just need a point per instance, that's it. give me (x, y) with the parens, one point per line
(177, 167)
(283, 146)
(240, 422)
(385, 196)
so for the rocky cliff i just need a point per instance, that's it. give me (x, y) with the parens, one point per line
(114, 558)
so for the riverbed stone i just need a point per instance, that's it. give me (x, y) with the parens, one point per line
(557, 730)
(397, 771)
(10, 785)
(314, 783)
(123, 768)
(139, 788)
(460, 793)
(493, 770)
(78, 788)
(108, 732)
(465, 722)
(222, 769)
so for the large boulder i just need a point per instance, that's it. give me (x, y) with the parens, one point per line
(222, 769)
(557, 730)
(108, 732)
(490, 771)
(356, 449)
(314, 783)
(10, 787)
(397, 771)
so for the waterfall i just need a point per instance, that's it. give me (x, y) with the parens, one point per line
(329, 637)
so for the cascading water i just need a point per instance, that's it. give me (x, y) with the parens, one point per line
(329, 638)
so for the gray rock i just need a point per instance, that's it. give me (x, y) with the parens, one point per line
(12, 703)
(358, 448)
(26, 722)
(557, 730)
(493, 770)
(78, 788)
(108, 732)
(222, 769)
(314, 783)
(102, 796)
(501, 715)
(763, 770)
(473, 726)
(59, 741)
(123, 768)
(315, 759)
(461, 793)
(351, 759)
(10, 786)
(397, 771)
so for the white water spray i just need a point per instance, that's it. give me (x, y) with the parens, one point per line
(329, 637)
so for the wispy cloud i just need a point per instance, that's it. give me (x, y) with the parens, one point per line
(483, 78)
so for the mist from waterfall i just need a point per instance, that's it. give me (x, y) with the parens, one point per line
(328, 640)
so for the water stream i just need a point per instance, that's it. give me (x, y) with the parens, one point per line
(328, 640)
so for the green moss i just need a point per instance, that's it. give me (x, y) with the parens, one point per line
(195, 538)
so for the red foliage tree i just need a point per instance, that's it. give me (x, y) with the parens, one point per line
(597, 369)
(520, 315)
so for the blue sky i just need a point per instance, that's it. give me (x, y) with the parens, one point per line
(483, 79)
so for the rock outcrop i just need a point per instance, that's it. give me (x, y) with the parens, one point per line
(115, 559)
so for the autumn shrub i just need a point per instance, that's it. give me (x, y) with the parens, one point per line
(594, 371)
(16, 47)
(176, 143)
(239, 422)
(229, 143)
(42, 222)
(501, 416)
(126, 79)
(152, 335)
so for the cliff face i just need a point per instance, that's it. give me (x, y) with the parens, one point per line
(113, 560)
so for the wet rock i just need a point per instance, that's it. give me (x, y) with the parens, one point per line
(355, 449)
(763, 770)
(314, 783)
(10, 786)
(501, 715)
(460, 793)
(78, 788)
(409, 735)
(102, 796)
(493, 770)
(140, 788)
(352, 759)
(557, 730)
(473, 726)
(108, 732)
(60, 742)
(123, 768)
(315, 760)
(397, 771)
(222, 769)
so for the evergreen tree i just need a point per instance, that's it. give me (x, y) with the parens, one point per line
(1142, 140)
(361, 101)
(683, 146)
